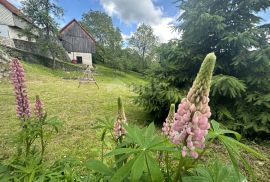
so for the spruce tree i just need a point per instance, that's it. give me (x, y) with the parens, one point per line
(234, 31)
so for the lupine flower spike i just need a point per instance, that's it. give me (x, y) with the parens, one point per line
(39, 108)
(191, 119)
(22, 101)
(119, 131)
(167, 125)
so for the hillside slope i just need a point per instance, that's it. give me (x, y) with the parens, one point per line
(78, 108)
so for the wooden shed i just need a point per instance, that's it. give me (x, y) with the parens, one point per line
(78, 42)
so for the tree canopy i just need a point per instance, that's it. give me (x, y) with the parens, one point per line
(235, 32)
(143, 41)
(44, 28)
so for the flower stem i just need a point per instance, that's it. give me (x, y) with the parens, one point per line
(178, 172)
(167, 164)
(102, 151)
(204, 150)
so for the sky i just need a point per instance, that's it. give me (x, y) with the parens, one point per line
(128, 14)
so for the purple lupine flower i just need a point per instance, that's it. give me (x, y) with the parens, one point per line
(167, 125)
(191, 119)
(22, 101)
(121, 119)
(39, 108)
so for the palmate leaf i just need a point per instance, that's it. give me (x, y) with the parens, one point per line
(156, 174)
(146, 143)
(138, 167)
(216, 172)
(119, 151)
(234, 147)
(217, 131)
(123, 172)
(98, 166)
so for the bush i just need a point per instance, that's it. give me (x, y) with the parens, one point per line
(156, 97)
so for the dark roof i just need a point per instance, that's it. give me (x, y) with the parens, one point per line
(74, 20)
(13, 9)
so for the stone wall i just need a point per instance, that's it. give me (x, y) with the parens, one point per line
(6, 42)
(4, 64)
(38, 59)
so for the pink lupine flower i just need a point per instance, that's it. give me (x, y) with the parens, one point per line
(191, 119)
(22, 101)
(39, 108)
(167, 125)
(119, 130)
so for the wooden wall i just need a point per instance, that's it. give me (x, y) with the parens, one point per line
(75, 39)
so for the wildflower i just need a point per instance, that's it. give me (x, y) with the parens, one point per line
(167, 125)
(191, 119)
(39, 108)
(119, 131)
(22, 101)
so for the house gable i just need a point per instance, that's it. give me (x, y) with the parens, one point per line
(6, 16)
(76, 39)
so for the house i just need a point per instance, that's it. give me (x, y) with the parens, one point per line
(12, 22)
(78, 42)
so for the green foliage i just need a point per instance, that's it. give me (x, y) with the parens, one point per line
(242, 50)
(109, 39)
(43, 27)
(227, 86)
(234, 147)
(217, 172)
(142, 146)
(156, 97)
(144, 42)
(242, 70)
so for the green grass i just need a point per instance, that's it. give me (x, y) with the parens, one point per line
(78, 108)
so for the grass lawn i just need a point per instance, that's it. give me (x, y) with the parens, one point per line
(78, 108)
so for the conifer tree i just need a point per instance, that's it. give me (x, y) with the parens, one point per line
(234, 31)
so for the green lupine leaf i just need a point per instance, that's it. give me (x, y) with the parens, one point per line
(243, 146)
(150, 132)
(237, 135)
(164, 148)
(156, 174)
(98, 166)
(232, 155)
(133, 133)
(215, 125)
(137, 168)
(248, 167)
(123, 172)
(121, 151)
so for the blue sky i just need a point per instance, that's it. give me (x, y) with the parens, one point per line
(127, 14)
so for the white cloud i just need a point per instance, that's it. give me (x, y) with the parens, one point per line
(130, 11)
(125, 36)
(164, 29)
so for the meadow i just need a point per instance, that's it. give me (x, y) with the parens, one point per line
(80, 109)
(77, 108)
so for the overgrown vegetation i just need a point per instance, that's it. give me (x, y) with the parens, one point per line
(140, 154)
(43, 28)
(113, 50)
(240, 88)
